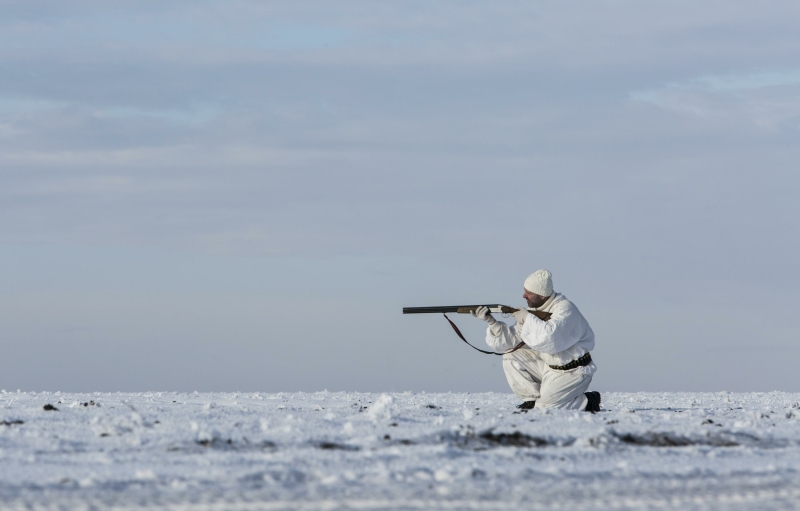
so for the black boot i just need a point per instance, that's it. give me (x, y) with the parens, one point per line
(527, 405)
(594, 401)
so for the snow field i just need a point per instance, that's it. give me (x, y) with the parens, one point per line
(347, 450)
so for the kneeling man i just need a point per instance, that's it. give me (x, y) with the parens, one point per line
(553, 369)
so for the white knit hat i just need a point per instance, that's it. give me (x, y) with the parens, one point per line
(540, 282)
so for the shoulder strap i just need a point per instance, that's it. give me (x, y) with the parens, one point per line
(459, 334)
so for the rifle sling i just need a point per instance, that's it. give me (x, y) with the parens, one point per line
(459, 334)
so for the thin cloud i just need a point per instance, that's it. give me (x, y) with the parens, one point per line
(197, 115)
(769, 100)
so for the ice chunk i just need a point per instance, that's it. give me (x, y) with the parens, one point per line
(382, 408)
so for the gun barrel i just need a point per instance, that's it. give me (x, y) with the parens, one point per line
(460, 309)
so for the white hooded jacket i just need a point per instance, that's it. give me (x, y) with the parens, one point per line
(565, 337)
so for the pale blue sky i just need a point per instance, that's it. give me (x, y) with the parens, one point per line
(242, 195)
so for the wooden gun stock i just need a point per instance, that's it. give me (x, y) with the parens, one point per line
(504, 309)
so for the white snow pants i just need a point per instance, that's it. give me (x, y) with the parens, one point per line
(533, 380)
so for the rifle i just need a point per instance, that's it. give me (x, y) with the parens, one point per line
(467, 309)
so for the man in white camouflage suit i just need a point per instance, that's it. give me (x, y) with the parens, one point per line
(554, 368)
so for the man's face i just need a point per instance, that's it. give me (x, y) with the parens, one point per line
(534, 301)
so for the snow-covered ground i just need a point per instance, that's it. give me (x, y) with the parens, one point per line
(397, 451)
